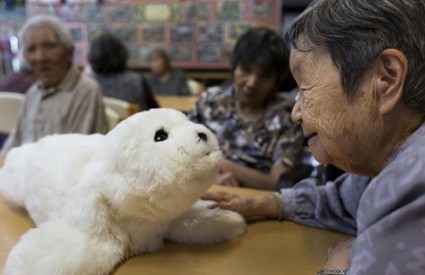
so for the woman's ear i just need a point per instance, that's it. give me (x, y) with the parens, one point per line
(391, 73)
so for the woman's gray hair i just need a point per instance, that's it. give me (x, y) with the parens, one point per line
(61, 31)
(355, 32)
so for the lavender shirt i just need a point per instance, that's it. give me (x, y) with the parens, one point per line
(389, 211)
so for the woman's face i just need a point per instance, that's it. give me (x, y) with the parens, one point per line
(158, 64)
(252, 85)
(48, 58)
(339, 130)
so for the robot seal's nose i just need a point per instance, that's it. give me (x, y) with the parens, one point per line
(202, 137)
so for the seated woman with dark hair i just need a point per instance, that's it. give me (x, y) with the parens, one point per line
(250, 118)
(108, 59)
(164, 80)
(18, 82)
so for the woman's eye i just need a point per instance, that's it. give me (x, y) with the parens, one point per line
(302, 90)
(160, 135)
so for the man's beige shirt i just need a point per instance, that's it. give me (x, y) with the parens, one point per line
(74, 106)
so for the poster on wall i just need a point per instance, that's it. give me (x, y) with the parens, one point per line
(210, 33)
(95, 29)
(261, 9)
(198, 11)
(120, 12)
(181, 52)
(154, 33)
(93, 14)
(79, 33)
(230, 10)
(235, 30)
(127, 33)
(182, 33)
(197, 34)
(210, 53)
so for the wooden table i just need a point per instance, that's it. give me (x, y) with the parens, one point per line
(181, 103)
(268, 247)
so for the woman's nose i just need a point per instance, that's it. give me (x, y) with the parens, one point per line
(252, 80)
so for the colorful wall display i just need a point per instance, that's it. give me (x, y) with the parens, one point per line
(196, 33)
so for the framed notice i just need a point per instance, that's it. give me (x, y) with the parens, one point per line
(156, 12)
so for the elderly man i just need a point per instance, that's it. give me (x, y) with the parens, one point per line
(62, 100)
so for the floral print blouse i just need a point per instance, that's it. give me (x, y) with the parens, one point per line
(275, 141)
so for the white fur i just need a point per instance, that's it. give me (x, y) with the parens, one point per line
(99, 199)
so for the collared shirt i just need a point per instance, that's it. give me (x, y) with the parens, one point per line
(73, 106)
(273, 141)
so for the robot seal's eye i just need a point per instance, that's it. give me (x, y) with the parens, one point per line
(160, 135)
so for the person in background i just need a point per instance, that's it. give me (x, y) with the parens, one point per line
(361, 105)
(63, 100)
(163, 80)
(251, 119)
(18, 82)
(108, 59)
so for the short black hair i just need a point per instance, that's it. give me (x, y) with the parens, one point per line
(264, 47)
(107, 54)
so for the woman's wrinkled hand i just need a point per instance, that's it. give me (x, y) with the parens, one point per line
(338, 256)
(227, 179)
(246, 206)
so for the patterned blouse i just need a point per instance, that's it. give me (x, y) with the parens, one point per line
(275, 141)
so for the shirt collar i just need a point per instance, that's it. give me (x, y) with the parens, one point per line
(66, 83)
(413, 138)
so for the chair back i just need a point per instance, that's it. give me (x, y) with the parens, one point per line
(113, 117)
(10, 107)
(195, 87)
(121, 107)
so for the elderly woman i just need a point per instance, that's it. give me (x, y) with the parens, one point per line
(163, 79)
(251, 120)
(63, 100)
(360, 68)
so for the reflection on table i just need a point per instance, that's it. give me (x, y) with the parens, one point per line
(268, 247)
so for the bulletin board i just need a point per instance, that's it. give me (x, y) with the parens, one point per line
(196, 33)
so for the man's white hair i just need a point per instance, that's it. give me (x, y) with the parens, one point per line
(61, 31)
